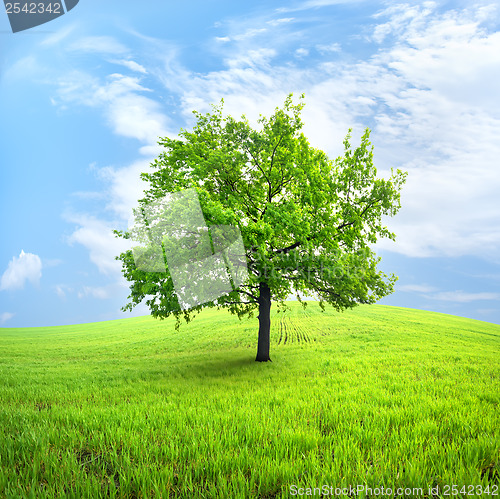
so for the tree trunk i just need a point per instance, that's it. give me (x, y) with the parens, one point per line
(264, 323)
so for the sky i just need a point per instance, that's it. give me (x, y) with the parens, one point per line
(85, 97)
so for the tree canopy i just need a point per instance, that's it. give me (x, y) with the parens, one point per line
(307, 222)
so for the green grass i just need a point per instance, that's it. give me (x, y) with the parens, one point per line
(376, 396)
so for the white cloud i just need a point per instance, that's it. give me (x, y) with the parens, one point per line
(332, 47)
(325, 3)
(429, 93)
(128, 112)
(132, 65)
(249, 33)
(124, 187)
(23, 68)
(415, 288)
(62, 290)
(463, 297)
(76, 87)
(97, 236)
(282, 20)
(253, 58)
(444, 117)
(223, 39)
(98, 44)
(302, 52)
(102, 293)
(5, 316)
(314, 4)
(25, 267)
(487, 311)
(430, 96)
(138, 117)
(58, 36)
(131, 114)
(459, 296)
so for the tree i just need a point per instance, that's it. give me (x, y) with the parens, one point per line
(306, 221)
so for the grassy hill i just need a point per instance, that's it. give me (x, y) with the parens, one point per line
(376, 396)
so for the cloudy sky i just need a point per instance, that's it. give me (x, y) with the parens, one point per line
(84, 98)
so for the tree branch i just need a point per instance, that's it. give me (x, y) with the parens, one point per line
(238, 303)
(247, 293)
(257, 164)
(274, 150)
(295, 245)
(367, 207)
(340, 227)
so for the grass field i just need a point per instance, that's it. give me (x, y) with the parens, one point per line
(376, 396)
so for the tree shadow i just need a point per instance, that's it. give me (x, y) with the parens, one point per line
(218, 367)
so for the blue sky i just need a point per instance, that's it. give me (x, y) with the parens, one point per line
(84, 98)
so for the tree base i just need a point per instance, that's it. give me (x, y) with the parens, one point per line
(263, 359)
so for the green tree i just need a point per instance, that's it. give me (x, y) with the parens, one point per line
(306, 221)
